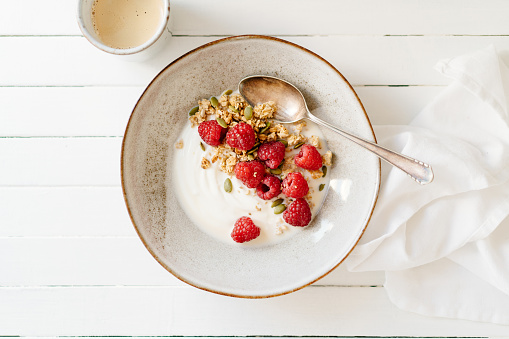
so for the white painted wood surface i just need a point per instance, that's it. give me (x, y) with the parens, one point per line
(70, 261)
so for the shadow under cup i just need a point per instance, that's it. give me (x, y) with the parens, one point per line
(146, 49)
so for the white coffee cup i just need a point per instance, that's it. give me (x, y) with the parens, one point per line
(142, 51)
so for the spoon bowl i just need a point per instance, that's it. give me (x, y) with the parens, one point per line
(292, 107)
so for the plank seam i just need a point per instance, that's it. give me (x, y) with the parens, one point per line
(275, 35)
(48, 287)
(244, 336)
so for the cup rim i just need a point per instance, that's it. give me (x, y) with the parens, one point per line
(124, 51)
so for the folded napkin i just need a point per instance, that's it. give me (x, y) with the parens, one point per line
(445, 246)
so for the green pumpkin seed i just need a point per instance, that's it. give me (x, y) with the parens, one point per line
(298, 145)
(324, 171)
(248, 112)
(321, 187)
(214, 102)
(193, 110)
(228, 92)
(221, 122)
(277, 202)
(275, 171)
(284, 142)
(250, 157)
(252, 150)
(265, 128)
(279, 209)
(233, 109)
(202, 146)
(228, 185)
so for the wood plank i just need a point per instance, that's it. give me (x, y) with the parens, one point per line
(66, 111)
(398, 17)
(60, 161)
(185, 311)
(284, 17)
(64, 212)
(108, 261)
(80, 261)
(104, 111)
(363, 60)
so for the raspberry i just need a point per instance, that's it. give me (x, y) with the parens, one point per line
(298, 213)
(211, 132)
(308, 158)
(245, 230)
(272, 152)
(250, 173)
(295, 186)
(269, 187)
(241, 136)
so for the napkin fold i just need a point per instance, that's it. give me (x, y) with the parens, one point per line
(445, 246)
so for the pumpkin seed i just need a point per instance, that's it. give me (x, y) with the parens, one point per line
(193, 110)
(233, 109)
(284, 142)
(277, 202)
(250, 157)
(265, 128)
(298, 145)
(279, 209)
(252, 150)
(275, 171)
(324, 171)
(321, 187)
(248, 112)
(228, 92)
(202, 146)
(214, 102)
(221, 122)
(228, 185)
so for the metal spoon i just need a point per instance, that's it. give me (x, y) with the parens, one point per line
(292, 107)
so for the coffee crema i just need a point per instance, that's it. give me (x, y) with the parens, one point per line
(126, 23)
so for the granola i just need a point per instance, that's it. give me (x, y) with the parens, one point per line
(179, 144)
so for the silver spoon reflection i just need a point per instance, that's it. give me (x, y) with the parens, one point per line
(292, 107)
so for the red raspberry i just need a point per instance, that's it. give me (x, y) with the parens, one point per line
(308, 158)
(245, 230)
(250, 173)
(295, 186)
(272, 152)
(241, 136)
(298, 213)
(269, 188)
(211, 132)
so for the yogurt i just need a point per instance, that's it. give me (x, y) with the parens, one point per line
(202, 196)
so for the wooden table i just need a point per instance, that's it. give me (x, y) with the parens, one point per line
(71, 263)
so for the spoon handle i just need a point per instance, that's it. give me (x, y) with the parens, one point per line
(417, 170)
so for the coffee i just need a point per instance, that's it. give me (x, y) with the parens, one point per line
(126, 23)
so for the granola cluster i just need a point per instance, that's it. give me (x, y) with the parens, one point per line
(231, 108)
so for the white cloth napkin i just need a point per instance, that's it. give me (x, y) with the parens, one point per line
(445, 246)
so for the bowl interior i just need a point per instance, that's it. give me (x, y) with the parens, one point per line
(175, 241)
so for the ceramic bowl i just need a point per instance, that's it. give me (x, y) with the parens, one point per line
(167, 232)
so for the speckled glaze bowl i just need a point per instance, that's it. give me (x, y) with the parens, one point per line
(233, 270)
